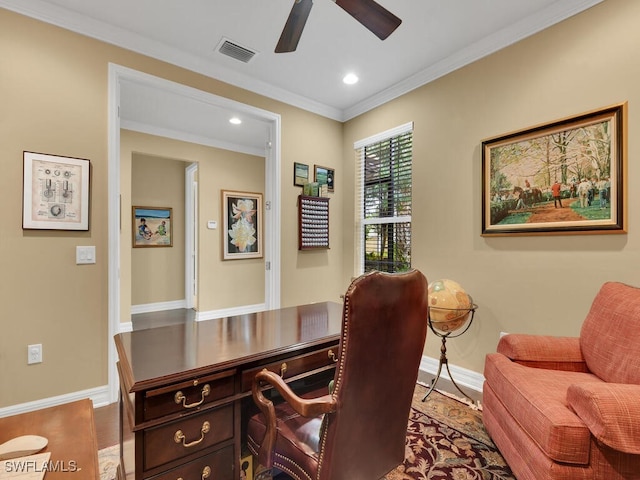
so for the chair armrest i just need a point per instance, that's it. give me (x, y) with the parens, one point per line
(305, 407)
(543, 351)
(611, 411)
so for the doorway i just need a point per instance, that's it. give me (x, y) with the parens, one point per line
(219, 109)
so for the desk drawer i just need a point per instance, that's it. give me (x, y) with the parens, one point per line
(187, 435)
(215, 466)
(290, 367)
(187, 396)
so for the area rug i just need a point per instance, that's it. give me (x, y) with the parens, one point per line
(108, 459)
(445, 440)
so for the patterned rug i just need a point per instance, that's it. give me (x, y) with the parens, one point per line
(445, 440)
(108, 459)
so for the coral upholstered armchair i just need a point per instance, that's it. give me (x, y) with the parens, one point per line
(569, 408)
(358, 431)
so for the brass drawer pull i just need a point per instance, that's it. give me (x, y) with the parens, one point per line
(180, 438)
(332, 355)
(283, 369)
(206, 473)
(180, 398)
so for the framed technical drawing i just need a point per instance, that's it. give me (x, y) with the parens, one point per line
(55, 192)
(562, 178)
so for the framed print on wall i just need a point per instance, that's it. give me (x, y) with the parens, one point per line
(562, 178)
(152, 227)
(325, 176)
(242, 225)
(300, 174)
(55, 192)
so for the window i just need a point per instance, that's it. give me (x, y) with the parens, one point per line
(383, 201)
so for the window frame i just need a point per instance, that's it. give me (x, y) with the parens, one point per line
(360, 221)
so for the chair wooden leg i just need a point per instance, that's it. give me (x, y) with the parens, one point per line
(263, 473)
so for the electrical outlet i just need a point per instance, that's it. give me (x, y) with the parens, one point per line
(34, 353)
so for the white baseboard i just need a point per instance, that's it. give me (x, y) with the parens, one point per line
(99, 396)
(462, 376)
(230, 312)
(158, 307)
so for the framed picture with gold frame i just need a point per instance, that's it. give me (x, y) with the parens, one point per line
(566, 177)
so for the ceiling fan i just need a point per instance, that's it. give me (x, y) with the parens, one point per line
(380, 21)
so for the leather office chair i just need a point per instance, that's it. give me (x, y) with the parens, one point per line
(358, 431)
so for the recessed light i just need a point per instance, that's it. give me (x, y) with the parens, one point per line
(350, 78)
(235, 121)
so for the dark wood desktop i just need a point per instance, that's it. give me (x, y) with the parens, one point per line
(185, 389)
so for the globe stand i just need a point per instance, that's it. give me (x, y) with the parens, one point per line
(443, 350)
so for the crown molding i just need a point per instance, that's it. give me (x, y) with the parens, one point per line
(46, 12)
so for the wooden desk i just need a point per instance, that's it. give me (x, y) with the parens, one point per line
(183, 386)
(71, 432)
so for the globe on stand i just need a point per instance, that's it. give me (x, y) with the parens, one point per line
(449, 309)
(449, 305)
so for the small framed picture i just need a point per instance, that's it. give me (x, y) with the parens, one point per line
(55, 192)
(242, 225)
(300, 174)
(152, 227)
(325, 176)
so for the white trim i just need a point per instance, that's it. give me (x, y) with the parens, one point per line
(118, 74)
(62, 17)
(125, 327)
(99, 396)
(462, 376)
(230, 312)
(189, 138)
(190, 234)
(158, 307)
(379, 137)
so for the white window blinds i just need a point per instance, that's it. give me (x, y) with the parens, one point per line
(383, 201)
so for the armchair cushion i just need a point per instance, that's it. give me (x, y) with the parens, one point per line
(541, 351)
(558, 431)
(610, 334)
(602, 406)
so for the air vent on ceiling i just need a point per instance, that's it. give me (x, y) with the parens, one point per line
(233, 50)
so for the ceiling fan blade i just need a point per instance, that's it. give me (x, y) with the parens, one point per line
(380, 21)
(293, 28)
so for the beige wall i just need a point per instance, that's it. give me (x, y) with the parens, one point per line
(55, 89)
(527, 284)
(158, 273)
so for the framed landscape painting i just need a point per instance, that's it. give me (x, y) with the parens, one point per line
(242, 225)
(562, 178)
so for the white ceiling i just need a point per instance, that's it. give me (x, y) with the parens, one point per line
(435, 38)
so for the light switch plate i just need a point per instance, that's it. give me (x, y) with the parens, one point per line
(85, 255)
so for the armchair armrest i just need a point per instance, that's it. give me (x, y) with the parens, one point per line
(543, 351)
(304, 407)
(611, 411)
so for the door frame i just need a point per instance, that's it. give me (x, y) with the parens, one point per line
(272, 214)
